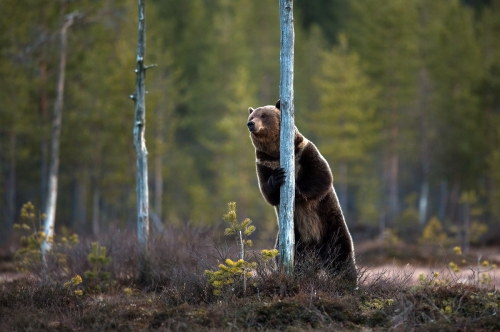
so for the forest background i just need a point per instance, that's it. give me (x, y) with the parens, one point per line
(401, 96)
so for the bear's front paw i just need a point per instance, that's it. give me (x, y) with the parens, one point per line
(277, 178)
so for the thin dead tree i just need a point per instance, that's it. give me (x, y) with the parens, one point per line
(140, 145)
(287, 137)
(49, 209)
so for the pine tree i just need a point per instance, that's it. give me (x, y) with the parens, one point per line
(346, 123)
(488, 28)
(384, 36)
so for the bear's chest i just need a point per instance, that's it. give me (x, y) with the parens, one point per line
(275, 163)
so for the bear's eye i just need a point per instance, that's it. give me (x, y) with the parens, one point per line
(263, 116)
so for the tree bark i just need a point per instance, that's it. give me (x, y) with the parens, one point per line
(53, 175)
(44, 120)
(287, 135)
(140, 146)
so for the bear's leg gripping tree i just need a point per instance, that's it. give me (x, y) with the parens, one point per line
(287, 136)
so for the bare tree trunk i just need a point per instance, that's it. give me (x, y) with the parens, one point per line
(287, 136)
(44, 146)
(51, 195)
(140, 146)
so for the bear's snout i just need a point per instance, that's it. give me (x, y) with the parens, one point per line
(251, 126)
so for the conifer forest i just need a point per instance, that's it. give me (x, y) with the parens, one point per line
(402, 97)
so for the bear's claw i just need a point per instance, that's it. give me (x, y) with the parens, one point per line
(277, 178)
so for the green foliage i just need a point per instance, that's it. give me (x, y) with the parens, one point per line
(231, 273)
(477, 230)
(181, 301)
(408, 219)
(97, 277)
(227, 273)
(462, 267)
(416, 80)
(348, 104)
(29, 256)
(434, 280)
(391, 238)
(346, 116)
(241, 230)
(480, 270)
(74, 285)
(473, 213)
(269, 254)
(434, 234)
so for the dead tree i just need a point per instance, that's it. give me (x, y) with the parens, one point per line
(140, 145)
(287, 136)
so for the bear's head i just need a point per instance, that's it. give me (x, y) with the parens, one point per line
(264, 126)
(264, 121)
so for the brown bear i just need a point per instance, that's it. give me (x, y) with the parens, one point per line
(321, 233)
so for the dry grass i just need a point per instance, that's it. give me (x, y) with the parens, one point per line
(177, 295)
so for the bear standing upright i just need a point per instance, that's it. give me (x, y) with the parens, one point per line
(321, 232)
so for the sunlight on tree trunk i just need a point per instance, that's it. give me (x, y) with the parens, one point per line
(287, 134)
(43, 106)
(51, 194)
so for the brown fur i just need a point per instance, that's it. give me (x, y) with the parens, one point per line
(320, 228)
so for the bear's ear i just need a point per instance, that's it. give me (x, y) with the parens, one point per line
(250, 110)
(278, 104)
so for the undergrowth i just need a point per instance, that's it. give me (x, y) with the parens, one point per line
(98, 290)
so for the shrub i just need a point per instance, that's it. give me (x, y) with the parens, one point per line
(29, 256)
(232, 272)
(97, 277)
(434, 234)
